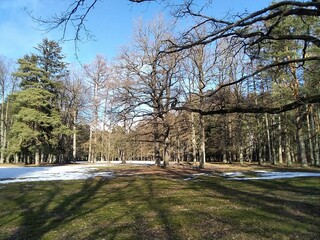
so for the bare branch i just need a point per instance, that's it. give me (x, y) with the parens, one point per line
(262, 69)
(253, 109)
(73, 17)
(228, 29)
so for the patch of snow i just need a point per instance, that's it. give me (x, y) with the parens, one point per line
(194, 176)
(188, 179)
(136, 162)
(31, 174)
(201, 174)
(264, 175)
(232, 174)
(133, 162)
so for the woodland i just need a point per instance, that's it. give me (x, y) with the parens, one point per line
(244, 88)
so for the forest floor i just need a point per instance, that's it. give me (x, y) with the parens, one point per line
(178, 202)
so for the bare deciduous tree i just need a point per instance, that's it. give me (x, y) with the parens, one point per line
(149, 78)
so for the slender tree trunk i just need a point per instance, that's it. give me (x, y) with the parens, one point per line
(2, 132)
(310, 137)
(225, 138)
(241, 155)
(229, 153)
(316, 127)
(90, 146)
(202, 143)
(16, 158)
(156, 142)
(288, 152)
(280, 141)
(317, 137)
(179, 146)
(193, 137)
(74, 143)
(157, 155)
(224, 158)
(122, 156)
(109, 146)
(269, 140)
(301, 147)
(316, 151)
(37, 158)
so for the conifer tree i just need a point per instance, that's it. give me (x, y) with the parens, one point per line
(37, 124)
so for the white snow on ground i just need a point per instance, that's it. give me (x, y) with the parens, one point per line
(78, 171)
(264, 175)
(232, 174)
(32, 174)
(131, 162)
(85, 171)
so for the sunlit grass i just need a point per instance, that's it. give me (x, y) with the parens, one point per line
(161, 207)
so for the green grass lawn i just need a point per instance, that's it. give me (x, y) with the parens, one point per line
(151, 206)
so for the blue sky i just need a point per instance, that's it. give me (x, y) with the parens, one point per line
(111, 21)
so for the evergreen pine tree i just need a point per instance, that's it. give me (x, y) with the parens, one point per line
(37, 126)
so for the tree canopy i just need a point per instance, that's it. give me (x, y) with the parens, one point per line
(246, 33)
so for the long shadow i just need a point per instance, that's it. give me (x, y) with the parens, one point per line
(54, 209)
(259, 199)
(286, 185)
(38, 219)
(145, 202)
(161, 209)
(137, 197)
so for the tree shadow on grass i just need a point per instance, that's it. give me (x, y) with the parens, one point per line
(267, 208)
(158, 207)
(118, 212)
(147, 216)
(50, 210)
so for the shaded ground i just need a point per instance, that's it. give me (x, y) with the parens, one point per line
(186, 170)
(146, 202)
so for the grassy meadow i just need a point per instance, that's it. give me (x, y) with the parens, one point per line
(145, 202)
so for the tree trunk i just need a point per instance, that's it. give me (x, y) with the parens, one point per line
(157, 155)
(74, 143)
(2, 132)
(90, 146)
(166, 153)
(156, 142)
(280, 141)
(16, 158)
(311, 134)
(122, 156)
(316, 151)
(37, 158)
(202, 143)
(300, 139)
(179, 146)
(193, 137)
(302, 158)
(241, 155)
(288, 153)
(269, 152)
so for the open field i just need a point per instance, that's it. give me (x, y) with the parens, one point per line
(146, 202)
